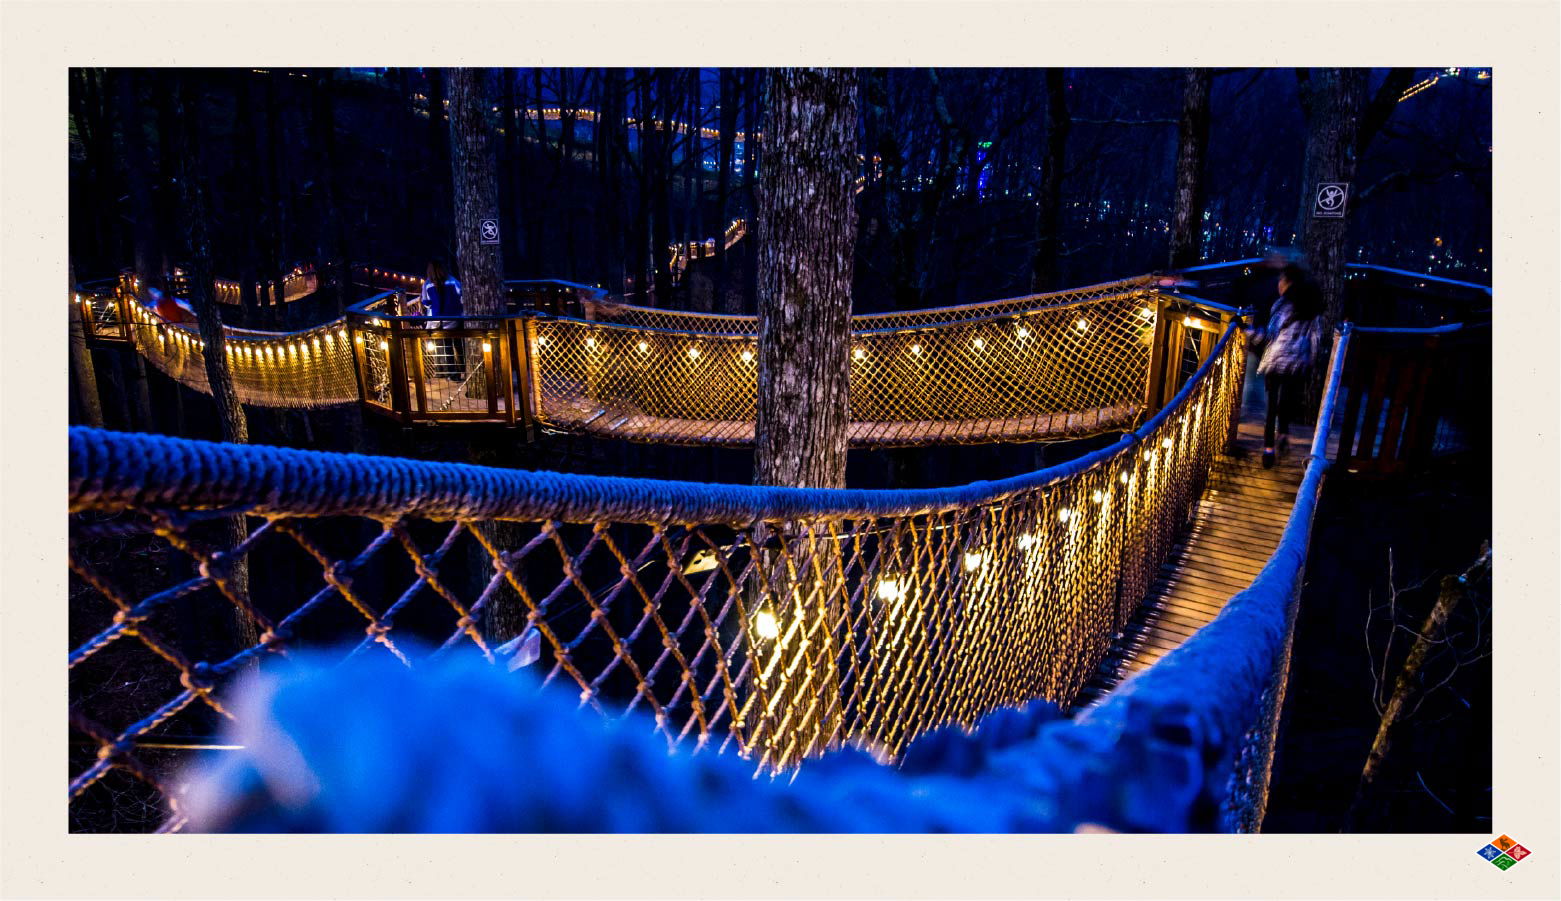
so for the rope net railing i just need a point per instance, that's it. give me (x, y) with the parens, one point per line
(1064, 370)
(776, 623)
(310, 368)
(1036, 368)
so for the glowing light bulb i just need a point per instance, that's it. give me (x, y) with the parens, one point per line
(542, 341)
(1166, 443)
(980, 344)
(1064, 514)
(643, 346)
(766, 625)
(974, 560)
(1024, 332)
(428, 345)
(890, 590)
(1081, 325)
(859, 353)
(1026, 541)
(1189, 321)
(487, 346)
(1097, 497)
(916, 349)
(747, 356)
(383, 344)
(693, 353)
(1123, 478)
(1147, 313)
(591, 343)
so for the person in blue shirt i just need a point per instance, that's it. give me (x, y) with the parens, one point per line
(441, 297)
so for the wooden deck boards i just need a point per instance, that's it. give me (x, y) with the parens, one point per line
(1235, 529)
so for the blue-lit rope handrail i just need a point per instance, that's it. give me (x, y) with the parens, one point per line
(1208, 708)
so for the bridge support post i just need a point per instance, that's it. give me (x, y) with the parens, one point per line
(1154, 382)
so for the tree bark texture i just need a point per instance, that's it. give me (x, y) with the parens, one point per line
(806, 247)
(1192, 146)
(83, 376)
(474, 167)
(1332, 100)
(226, 628)
(1048, 222)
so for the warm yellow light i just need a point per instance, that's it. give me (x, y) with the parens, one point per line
(1147, 313)
(383, 344)
(1166, 443)
(747, 356)
(643, 346)
(542, 341)
(1026, 541)
(693, 353)
(1081, 325)
(487, 346)
(1097, 497)
(916, 349)
(1024, 332)
(343, 334)
(428, 345)
(1064, 514)
(974, 560)
(591, 343)
(358, 338)
(766, 625)
(1189, 321)
(980, 344)
(890, 590)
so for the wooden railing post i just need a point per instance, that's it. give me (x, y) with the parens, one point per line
(1154, 382)
(400, 403)
(521, 335)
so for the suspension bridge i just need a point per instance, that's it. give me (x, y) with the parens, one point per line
(778, 624)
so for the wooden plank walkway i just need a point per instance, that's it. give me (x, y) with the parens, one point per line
(1235, 529)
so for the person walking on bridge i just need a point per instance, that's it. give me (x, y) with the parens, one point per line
(1289, 343)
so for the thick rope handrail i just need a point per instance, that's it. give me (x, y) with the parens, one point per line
(1219, 692)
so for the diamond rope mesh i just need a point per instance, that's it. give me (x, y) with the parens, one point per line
(1048, 366)
(1063, 370)
(777, 623)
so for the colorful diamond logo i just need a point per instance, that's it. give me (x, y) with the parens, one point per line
(1504, 862)
(1517, 852)
(1490, 852)
(1504, 843)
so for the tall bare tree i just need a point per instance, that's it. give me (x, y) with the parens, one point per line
(806, 246)
(1048, 220)
(1339, 127)
(1192, 145)
(474, 167)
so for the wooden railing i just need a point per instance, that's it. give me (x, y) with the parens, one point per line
(1412, 393)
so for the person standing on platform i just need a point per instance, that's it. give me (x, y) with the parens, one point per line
(1289, 343)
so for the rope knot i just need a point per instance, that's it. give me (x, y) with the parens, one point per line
(217, 567)
(465, 623)
(277, 636)
(198, 679)
(115, 750)
(377, 631)
(339, 574)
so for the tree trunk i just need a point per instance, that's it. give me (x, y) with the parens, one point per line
(83, 377)
(1192, 145)
(1048, 222)
(234, 628)
(474, 171)
(1452, 591)
(248, 161)
(330, 253)
(723, 186)
(439, 158)
(806, 248)
(751, 152)
(138, 169)
(1332, 100)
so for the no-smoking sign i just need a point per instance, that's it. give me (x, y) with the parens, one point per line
(1330, 200)
(488, 231)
